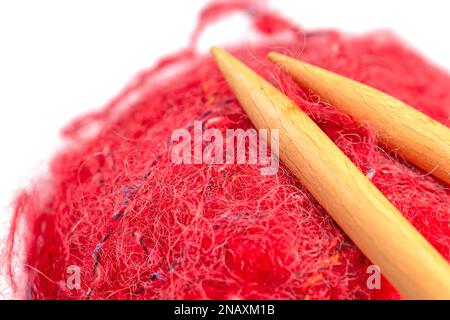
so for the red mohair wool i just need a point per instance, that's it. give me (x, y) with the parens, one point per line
(140, 227)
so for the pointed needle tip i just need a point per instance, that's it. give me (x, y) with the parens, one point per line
(217, 52)
(276, 57)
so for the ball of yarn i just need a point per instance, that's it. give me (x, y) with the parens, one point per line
(138, 226)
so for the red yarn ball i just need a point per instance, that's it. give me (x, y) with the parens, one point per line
(140, 227)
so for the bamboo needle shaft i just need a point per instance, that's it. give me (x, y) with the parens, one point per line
(408, 261)
(421, 140)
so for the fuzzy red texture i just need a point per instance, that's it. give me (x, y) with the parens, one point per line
(140, 227)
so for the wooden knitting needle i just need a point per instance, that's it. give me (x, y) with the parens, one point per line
(408, 261)
(421, 140)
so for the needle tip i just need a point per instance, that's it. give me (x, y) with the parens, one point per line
(216, 51)
(276, 57)
(224, 60)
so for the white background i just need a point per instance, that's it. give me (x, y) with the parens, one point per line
(61, 58)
